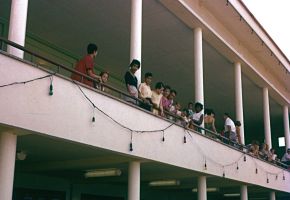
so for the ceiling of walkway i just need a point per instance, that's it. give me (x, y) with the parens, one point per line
(167, 51)
(53, 157)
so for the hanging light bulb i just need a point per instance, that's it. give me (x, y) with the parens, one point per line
(131, 146)
(245, 159)
(184, 139)
(51, 87)
(256, 170)
(163, 138)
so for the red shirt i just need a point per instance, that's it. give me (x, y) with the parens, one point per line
(85, 64)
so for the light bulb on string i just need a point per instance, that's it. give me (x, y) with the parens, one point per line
(245, 158)
(51, 87)
(93, 118)
(163, 138)
(205, 166)
(184, 139)
(237, 166)
(131, 142)
(256, 170)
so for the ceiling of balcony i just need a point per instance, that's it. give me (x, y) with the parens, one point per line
(53, 157)
(167, 51)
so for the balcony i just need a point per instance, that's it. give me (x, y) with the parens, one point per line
(62, 141)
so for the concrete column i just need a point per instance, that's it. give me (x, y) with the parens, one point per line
(239, 99)
(201, 188)
(136, 34)
(17, 25)
(286, 126)
(198, 66)
(272, 196)
(267, 124)
(7, 164)
(134, 181)
(244, 192)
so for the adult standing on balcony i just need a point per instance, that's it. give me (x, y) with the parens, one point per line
(230, 129)
(131, 80)
(86, 66)
(286, 158)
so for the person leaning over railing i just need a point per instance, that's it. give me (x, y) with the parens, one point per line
(197, 117)
(156, 99)
(230, 129)
(86, 66)
(209, 121)
(145, 93)
(104, 79)
(286, 157)
(131, 80)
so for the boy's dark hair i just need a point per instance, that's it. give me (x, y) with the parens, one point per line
(238, 123)
(173, 91)
(91, 48)
(208, 111)
(197, 104)
(159, 85)
(135, 62)
(104, 72)
(148, 74)
(167, 87)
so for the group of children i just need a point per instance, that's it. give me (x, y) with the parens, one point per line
(160, 101)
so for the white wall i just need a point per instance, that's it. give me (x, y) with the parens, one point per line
(67, 114)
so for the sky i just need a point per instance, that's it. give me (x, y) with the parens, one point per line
(274, 16)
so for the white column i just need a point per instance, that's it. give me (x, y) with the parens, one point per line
(244, 192)
(201, 188)
(7, 164)
(267, 124)
(286, 126)
(239, 99)
(17, 25)
(136, 34)
(134, 181)
(198, 65)
(272, 196)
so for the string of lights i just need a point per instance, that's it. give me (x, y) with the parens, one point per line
(132, 131)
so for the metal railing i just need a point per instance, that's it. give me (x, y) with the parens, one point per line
(137, 102)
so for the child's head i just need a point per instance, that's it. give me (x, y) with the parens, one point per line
(166, 91)
(190, 105)
(198, 107)
(177, 106)
(148, 78)
(159, 87)
(237, 123)
(92, 49)
(134, 65)
(104, 76)
(172, 94)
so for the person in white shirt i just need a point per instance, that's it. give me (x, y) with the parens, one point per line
(145, 92)
(197, 117)
(230, 129)
(286, 158)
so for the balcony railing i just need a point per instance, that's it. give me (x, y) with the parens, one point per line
(135, 102)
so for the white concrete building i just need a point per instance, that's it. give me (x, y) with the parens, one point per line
(210, 51)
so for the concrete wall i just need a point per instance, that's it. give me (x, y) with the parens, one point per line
(67, 114)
